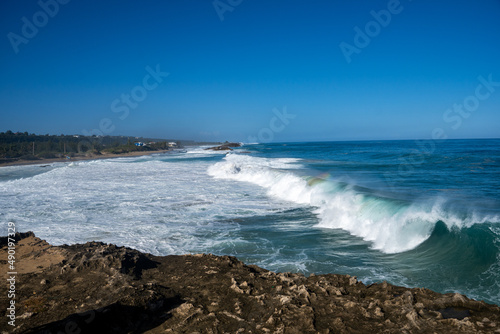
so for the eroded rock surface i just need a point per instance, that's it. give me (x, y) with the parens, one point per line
(100, 288)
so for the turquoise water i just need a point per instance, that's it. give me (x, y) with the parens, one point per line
(419, 214)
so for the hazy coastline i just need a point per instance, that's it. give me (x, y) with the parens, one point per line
(104, 155)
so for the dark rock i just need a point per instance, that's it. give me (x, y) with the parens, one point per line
(455, 313)
(100, 288)
(18, 236)
(224, 147)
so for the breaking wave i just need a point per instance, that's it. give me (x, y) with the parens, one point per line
(391, 225)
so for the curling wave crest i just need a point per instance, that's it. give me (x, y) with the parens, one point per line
(392, 226)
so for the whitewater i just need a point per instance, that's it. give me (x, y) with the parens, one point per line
(377, 210)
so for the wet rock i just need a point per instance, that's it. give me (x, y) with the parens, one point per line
(224, 147)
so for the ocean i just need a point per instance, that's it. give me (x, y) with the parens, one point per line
(412, 213)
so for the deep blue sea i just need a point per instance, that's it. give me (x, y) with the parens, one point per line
(413, 213)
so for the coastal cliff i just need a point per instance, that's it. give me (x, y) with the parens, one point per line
(98, 288)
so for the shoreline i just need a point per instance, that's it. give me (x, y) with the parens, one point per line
(81, 158)
(138, 292)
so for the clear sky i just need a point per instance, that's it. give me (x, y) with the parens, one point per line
(330, 70)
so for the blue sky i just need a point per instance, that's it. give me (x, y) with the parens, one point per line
(87, 69)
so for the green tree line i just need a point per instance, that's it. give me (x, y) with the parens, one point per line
(23, 145)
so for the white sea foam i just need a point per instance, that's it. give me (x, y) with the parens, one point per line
(203, 150)
(392, 227)
(259, 209)
(150, 204)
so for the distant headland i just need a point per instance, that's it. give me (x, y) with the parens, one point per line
(22, 148)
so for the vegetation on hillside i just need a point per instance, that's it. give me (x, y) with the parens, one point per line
(23, 145)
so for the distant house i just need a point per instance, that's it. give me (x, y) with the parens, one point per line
(172, 144)
(139, 143)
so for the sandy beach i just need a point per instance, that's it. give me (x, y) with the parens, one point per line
(80, 158)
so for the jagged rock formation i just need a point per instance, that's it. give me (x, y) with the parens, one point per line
(100, 288)
(224, 147)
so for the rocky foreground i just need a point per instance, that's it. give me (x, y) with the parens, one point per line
(100, 288)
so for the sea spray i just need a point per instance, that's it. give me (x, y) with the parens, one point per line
(303, 207)
(391, 225)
